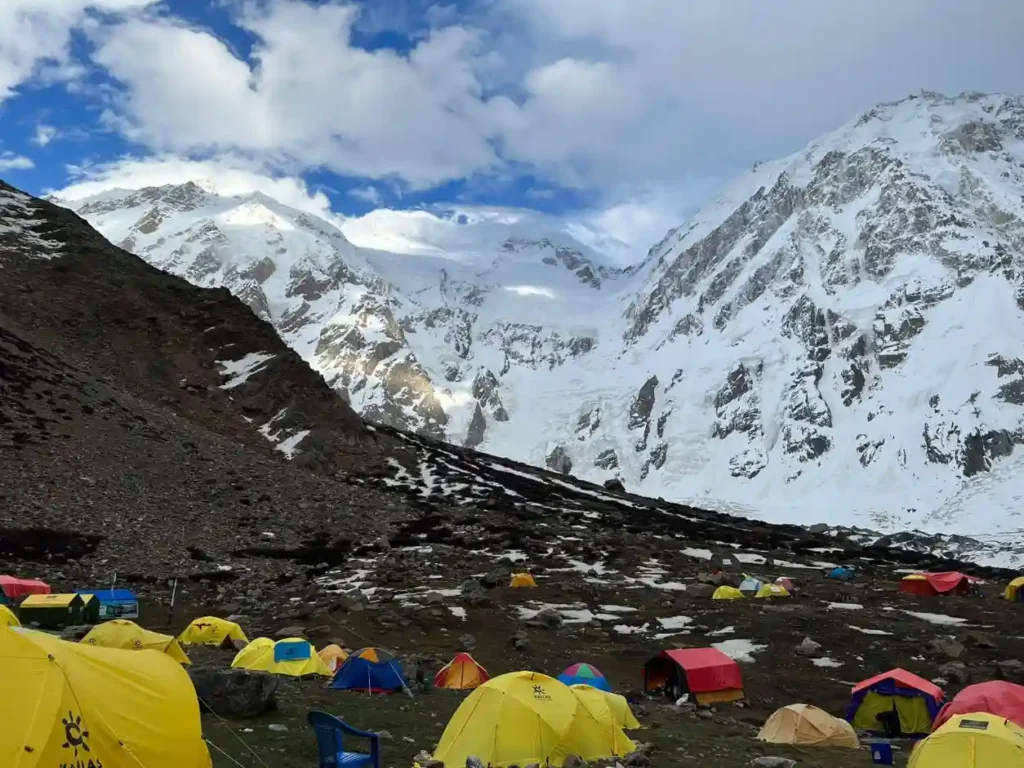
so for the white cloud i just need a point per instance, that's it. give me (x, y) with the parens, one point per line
(226, 176)
(34, 36)
(44, 135)
(12, 162)
(367, 194)
(307, 98)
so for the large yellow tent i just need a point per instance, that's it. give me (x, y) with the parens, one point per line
(333, 656)
(522, 580)
(616, 703)
(772, 590)
(526, 717)
(805, 725)
(7, 617)
(209, 630)
(595, 732)
(977, 740)
(292, 656)
(75, 705)
(727, 593)
(129, 636)
(1013, 587)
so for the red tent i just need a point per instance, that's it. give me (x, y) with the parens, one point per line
(996, 697)
(705, 672)
(932, 584)
(15, 589)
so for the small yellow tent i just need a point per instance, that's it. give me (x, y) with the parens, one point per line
(526, 717)
(805, 725)
(977, 740)
(617, 703)
(333, 656)
(209, 630)
(522, 580)
(77, 705)
(1013, 588)
(772, 590)
(727, 593)
(7, 617)
(129, 636)
(292, 656)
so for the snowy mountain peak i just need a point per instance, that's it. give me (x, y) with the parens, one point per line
(836, 335)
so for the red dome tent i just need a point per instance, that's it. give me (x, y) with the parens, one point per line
(1004, 700)
(932, 584)
(707, 673)
(15, 589)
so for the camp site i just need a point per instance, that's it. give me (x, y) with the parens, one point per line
(657, 677)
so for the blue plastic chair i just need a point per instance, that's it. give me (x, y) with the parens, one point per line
(329, 731)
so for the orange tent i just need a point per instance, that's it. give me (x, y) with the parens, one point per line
(333, 656)
(932, 584)
(461, 674)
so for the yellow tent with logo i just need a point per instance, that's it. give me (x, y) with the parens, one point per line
(805, 725)
(522, 580)
(333, 656)
(292, 656)
(7, 617)
(727, 593)
(616, 703)
(209, 630)
(526, 717)
(70, 704)
(977, 740)
(129, 636)
(1013, 590)
(772, 590)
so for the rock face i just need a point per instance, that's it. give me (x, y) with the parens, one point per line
(835, 323)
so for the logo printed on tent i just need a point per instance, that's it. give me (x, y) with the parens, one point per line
(291, 651)
(977, 725)
(74, 734)
(540, 693)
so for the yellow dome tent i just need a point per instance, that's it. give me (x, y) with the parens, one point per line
(76, 705)
(1013, 588)
(292, 656)
(333, 656)
(462, 673)
(977, 740)
(522, 580)
(727, 593)
(209, 630)
(129, 636)
(526, 717)
(595, 734)
(772, 590)
(621, 713)
(7, 617)
(804, 725)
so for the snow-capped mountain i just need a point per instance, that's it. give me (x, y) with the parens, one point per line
(837, 337)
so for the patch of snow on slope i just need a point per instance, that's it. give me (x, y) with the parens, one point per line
(239, 371)
(739, 649)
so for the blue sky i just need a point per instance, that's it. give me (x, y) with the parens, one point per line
(627, 113)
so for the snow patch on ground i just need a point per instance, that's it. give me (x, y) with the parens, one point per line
(937, 618)
(826, 662)
(238, 372)
(845, 607)
(739, 649)
(867, 631)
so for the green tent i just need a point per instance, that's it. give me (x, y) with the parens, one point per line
(62, 610)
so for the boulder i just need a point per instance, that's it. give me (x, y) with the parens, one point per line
(977, 639)
(1010, 670)
(770, 761)
(474, 762)
(234, 692)
(946, 646)
(75, 632)
(614, 485)
(293, 631)
(574, 761)
(520, 640)
(956, 671)
(496, 577)
(548, 618)
(808, 647)
(467, 641)
(637, 759)
(700, 590)
(714, 578)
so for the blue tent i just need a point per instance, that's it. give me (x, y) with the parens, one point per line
(841, 573)
(371, 669)
(115, 603)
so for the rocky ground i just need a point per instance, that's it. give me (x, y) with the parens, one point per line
(132, 442)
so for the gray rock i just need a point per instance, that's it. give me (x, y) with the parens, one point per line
(643, 404)
(770, 761)
(279, 727)
(293, 631)
(614, 485)
(477, 428)
(496, 577)
(558, 460)
(700, 590)
(548, 618)
(75, 632)
(1011, 670)
(808, 647)
(574, 761)
(977, 639)
(467, 641)
(955, 670)
(474, 762)
(947, 646)
(234, 692)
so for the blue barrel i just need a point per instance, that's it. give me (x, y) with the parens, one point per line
(881, 753)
